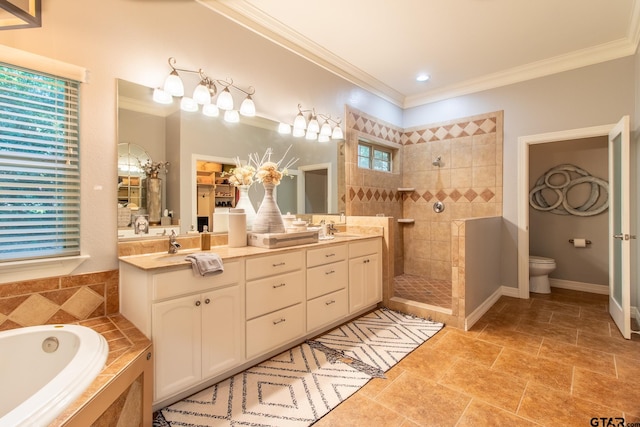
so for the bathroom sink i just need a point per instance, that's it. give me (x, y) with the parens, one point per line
(172, 258)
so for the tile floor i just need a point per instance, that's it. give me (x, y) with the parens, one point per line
(421, 289)
(552, 360)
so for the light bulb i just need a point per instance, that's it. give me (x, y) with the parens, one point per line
(337, 133)
(231, 116)
(248, 107)
(310, 135)
(284, 128)
(325, 130)
(162, 97)
(188, 104)
(298, 132)
(202, 95)
(314, 126)
(225, 100)
(300, 122)
(173, 84)
(323, 138)
(210, 110)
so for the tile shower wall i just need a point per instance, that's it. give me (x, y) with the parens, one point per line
(368, 192)
(469, 183)
(63, 299)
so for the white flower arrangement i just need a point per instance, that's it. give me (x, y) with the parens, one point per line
(151, 169)
(241, 174)
(268, 171)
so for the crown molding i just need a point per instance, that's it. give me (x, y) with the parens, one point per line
(257, 21)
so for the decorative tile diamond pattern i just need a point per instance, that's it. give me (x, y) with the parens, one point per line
(457, 130)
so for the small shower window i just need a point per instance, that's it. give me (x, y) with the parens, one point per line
(374, 157)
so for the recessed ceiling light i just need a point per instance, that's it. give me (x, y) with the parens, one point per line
(423, 77)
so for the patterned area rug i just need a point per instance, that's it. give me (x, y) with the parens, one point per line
(300, 385)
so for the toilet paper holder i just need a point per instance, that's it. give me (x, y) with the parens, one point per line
(588, 242)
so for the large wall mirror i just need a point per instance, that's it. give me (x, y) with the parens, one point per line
(190, 140)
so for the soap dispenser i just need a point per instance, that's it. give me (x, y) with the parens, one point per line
(205, 239)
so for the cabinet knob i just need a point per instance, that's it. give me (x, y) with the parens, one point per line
(198, 303)
(207, 301)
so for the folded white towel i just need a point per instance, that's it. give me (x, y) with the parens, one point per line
(206, 263)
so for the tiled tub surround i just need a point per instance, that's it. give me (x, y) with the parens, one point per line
(123, 388)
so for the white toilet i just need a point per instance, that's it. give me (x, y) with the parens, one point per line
(539, 269)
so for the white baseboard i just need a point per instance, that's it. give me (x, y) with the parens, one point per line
(579, 286)
(508, 291)
(470, 320)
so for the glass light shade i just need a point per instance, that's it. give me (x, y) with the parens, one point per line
(202, 95)
(325, 130)
(248, 108)
(173, 85)
(337, 133)
(284, 128)
(231, 116)
(210, 110)
(310, 135)
(225, 100)
(314, 126)
(162, 97)
(323, 138)
(188, 104)
(300, 123)
(298, 132)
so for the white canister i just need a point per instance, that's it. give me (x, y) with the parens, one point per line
(237, 228)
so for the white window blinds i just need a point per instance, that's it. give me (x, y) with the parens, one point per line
(39, 165)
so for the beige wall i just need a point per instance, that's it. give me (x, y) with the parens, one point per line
(549, 233)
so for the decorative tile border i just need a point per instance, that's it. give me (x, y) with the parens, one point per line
(65, 299)
(367, 194)
(455, 130)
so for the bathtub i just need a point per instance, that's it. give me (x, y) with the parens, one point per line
(43, 369)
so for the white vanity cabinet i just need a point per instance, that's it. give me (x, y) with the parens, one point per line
(196, 323)
(365, 274)
(275, 292)
(327, 282)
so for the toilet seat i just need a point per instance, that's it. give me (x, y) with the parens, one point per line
(541, 260)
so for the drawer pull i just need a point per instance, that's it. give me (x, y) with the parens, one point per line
(330, 302)
(280, 264)
(207, 301)
(329, 255)
(275, 322)
(329, 272)
(279, 286)
(198, 303)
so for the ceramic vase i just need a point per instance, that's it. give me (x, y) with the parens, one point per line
(245, 203)
(268, 218)
(154, 200)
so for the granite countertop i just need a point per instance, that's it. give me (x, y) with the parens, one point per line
(161, 260)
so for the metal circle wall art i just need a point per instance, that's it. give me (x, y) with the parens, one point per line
(571, 176)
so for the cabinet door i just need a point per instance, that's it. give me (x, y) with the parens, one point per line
(365, 284)
(177, 345)
(222, 330)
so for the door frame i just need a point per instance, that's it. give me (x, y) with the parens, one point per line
(301, 185)
(524, 143)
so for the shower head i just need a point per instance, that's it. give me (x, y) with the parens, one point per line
(437, 162)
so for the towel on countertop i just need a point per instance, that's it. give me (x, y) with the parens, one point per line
(206, 263)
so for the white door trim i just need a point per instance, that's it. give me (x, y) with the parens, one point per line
(301, 185)
(524, 142)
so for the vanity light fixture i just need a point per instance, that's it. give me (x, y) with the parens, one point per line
(312, 129)
(204, 93)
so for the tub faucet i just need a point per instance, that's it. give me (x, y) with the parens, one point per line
(173, 243)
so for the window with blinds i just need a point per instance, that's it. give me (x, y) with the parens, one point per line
(39, 165)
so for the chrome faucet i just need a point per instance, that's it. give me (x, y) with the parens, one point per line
(173, 243)
(331, 229)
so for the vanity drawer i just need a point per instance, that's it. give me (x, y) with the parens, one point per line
(272, 330)
(274, 293)
(366, 247)
(274, 264)
(326, 309)
(326, 255)
(182, 282)
(327, 278)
